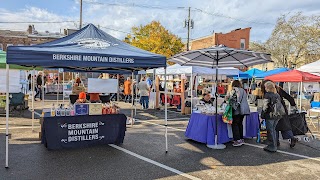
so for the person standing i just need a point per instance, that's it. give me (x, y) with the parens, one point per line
(127, 90)
(271, 98)
(284, 124)
(144, 93)
(240, 108)
(38, 86)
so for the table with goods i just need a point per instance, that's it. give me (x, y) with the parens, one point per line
(82, 125)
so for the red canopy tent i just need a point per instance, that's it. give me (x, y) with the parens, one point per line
(294, 76)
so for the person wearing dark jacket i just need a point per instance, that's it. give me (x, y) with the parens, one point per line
(284, 124)
(39, 85)
(270, 97)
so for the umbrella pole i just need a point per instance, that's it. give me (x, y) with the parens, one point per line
(216, 145)
(166, 107)
(191, 85)
(7, 116)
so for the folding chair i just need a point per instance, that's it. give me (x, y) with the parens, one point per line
(311, 117)
(17, 102)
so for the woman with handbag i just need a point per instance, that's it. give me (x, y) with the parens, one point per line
(272, 112)
(240, 108)
(284, 124)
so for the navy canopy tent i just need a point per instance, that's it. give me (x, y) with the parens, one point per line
(89, 49)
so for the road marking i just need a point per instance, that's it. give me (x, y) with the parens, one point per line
(252, 145)
(35, 112)
(284, 152)
(154, 162)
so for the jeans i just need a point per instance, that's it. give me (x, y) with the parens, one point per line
(285, 134)
(272, 133)
(145, 101)
(38, 91)
(237, 127)
(127, 98)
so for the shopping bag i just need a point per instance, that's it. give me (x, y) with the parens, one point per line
(227, 115)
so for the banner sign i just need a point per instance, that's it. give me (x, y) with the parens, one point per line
(83, 131)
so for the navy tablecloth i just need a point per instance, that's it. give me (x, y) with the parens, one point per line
(201, 128)
(83, 131)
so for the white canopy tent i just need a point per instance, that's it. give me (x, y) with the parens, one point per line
(195, 70)
(313, 68)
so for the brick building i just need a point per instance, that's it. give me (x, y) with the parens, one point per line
(238, 38)
(28, 37)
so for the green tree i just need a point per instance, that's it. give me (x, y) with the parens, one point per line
(155, 38)
(295, 39)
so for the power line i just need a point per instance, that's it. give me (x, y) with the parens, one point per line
(36, 22)
(137, 5)
(224, 16)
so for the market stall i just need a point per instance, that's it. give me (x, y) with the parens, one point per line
(295, 76)
(201, 128)
(182, 74)
(88, 50)
(219, 57)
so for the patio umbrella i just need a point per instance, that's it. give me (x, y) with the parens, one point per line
(217, 57)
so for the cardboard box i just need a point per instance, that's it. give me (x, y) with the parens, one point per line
(187, 110)
(81, 109)
(95, 109)
(77, 89)
(316, 97)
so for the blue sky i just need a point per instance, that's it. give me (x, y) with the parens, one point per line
(208, 15)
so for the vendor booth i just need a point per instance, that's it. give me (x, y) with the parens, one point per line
(271, 72)
(295, 76)
(88, 50)
(219, 57)
(178, 74)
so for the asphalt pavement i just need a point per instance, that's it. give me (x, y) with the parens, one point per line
(143, 156)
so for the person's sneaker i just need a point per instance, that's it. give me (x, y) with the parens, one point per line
(293, 142)
(242, 140)
(237, 143)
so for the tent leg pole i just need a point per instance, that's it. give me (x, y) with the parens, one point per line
(166, 107)
(135, 103)
(33, 98)
(42, 89)
(58, 89)
(132, 76)
(301, 96)
(7, 116)
(63, 87)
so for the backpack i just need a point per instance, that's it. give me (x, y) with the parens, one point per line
(277, 109)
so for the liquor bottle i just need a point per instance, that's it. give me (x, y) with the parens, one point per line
(72, 113)
(68, 111)
(62, 110)
(53, 111)
(58, 111)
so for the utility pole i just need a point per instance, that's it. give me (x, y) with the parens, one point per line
(189, 24)
(80, 26)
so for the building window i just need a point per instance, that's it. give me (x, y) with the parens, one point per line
(242, 44)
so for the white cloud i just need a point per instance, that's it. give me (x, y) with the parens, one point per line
(124, 17)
